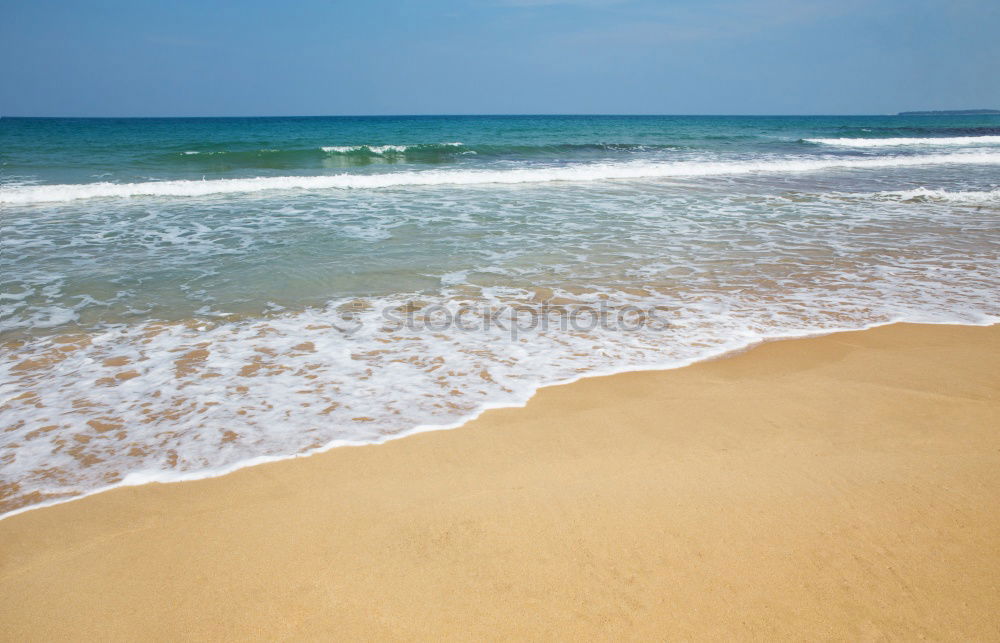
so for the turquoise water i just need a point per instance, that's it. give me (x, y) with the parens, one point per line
(52, 151)
(181, 296)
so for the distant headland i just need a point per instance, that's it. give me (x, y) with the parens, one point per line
(951, 112)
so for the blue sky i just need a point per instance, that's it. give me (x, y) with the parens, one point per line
(207, 57)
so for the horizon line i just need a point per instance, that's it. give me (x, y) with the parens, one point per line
(511, 114)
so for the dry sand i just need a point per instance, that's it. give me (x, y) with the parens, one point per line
(842, 487)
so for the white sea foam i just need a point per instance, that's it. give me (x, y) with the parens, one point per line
(156, 401)
(582, 172)
(135, 400)
(896, 142)
(736, 344)
(283, 413)
(374, 149)
(379, 150)
(963, 196)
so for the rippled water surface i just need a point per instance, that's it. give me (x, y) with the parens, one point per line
(182, 295)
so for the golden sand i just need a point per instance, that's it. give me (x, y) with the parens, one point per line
(842, 487)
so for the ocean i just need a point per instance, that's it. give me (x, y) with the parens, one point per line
(182, 297)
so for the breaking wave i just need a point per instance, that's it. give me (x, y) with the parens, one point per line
(386, 150)
(896, 142)
(924, 194)
(577, 172)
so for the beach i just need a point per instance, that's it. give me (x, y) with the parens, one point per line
(838, 487)
(518, 320)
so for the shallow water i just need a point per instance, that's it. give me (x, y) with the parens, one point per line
(181, 295)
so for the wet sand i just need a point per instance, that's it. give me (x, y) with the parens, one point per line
(841, 487)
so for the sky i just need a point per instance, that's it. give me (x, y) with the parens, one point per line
(312, 57)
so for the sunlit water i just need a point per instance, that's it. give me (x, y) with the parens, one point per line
(181, 296)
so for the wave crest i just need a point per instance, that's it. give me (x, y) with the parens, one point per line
(983, 197)
(896, 142)
(386, 150)
(575, 173)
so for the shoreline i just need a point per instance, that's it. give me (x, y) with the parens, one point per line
(844, 484)
(142, 478)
